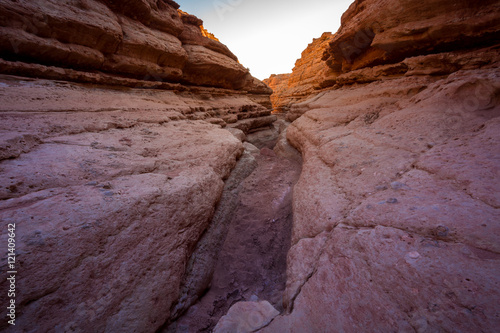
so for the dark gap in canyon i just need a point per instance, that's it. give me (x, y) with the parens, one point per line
(251, 264)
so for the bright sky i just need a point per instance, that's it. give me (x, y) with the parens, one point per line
(267, 36)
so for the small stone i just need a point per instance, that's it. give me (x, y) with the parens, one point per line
(392, 201)
(442, 231)
(246, 317)
(381, 188)
(106, 186)
(109, 193)
(414, 255)
(92, 183)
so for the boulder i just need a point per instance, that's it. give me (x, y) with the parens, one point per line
(246, 317)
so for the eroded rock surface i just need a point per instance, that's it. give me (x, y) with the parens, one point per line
(246, 317)
(113, 156)
(409, 174)
(371, 34)
(140, 39)
(100, 226)
(307, 76)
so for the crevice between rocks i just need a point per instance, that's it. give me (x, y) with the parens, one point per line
(242, 255)
(201, 265)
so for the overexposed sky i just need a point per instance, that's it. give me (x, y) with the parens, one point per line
(267, 36)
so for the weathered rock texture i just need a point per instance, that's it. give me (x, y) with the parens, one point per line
(139, 39)
(246, 317)
(307, 75)
(376, 41)
(279, 84)
(396, 214)
(376, 32)
(112, 156)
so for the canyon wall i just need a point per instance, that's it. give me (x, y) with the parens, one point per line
(397, 211)
(308, 73)
(113, 156)
(386, 33)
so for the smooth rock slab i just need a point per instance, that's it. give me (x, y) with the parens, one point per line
(246, 317)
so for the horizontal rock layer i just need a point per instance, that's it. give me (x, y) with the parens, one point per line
(372, 35)
(307, 75)
(140, 39)
(427, 38)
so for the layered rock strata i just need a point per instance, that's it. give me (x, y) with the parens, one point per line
(372, 35)
(113, 156)
(139, 39)
(373, 42)
(396, 214)
(306, 77)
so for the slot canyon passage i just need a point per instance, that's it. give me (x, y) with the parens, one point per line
(149, 183)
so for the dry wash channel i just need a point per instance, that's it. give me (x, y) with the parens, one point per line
(247, 244)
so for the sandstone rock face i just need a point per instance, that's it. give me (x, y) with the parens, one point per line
(279, 85)
(138, 44)
(306, 77)
(396, 211)
(113, 156)
(310, 67)
(428, 38)
(140, 39)
(110, 192)
(372, 34)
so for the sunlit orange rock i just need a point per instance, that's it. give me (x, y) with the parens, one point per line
(307, 76)
(372, 34)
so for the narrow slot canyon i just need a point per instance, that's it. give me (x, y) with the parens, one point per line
(251, 264)
(151, 183)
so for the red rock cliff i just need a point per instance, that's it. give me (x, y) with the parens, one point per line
(377, 32)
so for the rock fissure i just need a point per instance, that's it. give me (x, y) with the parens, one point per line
(250, 264)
